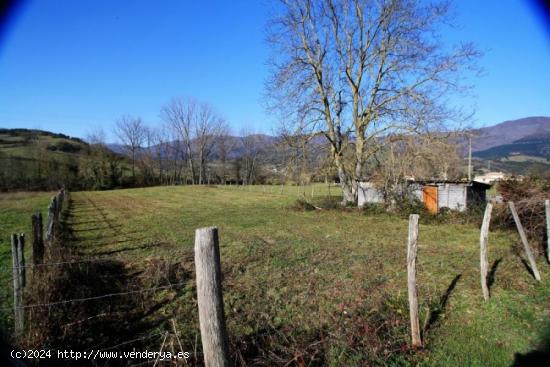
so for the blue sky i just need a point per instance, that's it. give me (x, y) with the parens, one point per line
(71, 66)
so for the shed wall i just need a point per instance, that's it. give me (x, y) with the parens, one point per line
(368, 194)
(452, 196)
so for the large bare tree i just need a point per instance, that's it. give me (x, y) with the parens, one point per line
(356, 71)
(196, 125)
(225, 144)
(132, 133)
(252, 146)
(180, 114)
(208, 126)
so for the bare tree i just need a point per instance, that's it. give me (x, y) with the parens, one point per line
(251, 149)
(161, 151)
(132, 132)
(357, 70)
(208, 126)
(196, 125)
(412, 157)
(225, 144)
(180, 115)
(96, 136)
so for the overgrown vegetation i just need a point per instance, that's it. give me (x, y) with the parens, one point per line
(528, 196)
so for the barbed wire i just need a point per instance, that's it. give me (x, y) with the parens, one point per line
(94, 260)
(75, 300)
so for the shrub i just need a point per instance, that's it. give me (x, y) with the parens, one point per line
(528, 196)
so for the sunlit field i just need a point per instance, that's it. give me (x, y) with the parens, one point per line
(301, 287)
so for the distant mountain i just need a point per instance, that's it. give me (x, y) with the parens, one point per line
(117, 148)
(508, 132)
(532, 146)
(234, 145)
(518, 146)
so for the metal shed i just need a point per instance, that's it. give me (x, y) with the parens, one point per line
(455, 195)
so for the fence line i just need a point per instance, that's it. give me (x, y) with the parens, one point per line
(61, 263)
(74, 300)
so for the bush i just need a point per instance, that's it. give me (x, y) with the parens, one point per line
(64, 146)
(528, 196)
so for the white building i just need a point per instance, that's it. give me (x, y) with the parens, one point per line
(490, 177)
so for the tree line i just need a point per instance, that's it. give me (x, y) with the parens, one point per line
(361, 89)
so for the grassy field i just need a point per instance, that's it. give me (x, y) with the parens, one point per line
(322, 287)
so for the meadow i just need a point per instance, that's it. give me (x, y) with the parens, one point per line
(300, 287)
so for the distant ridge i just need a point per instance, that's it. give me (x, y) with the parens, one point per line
(508, 132)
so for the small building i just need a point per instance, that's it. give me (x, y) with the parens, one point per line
(435, 194)
(490, 177)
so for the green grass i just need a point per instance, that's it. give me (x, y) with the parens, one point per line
(327, 286)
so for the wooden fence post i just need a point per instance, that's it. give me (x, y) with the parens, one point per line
(483, 242)
(547, 207)
(17, 284)
(50, 226)
(37, 239)
(526, 246)
(209, 297)
(411, 280)
(21, 259)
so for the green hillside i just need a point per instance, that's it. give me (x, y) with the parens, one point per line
(38, 160)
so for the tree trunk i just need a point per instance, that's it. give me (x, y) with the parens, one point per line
(347, 191)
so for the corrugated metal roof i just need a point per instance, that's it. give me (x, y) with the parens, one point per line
(455, 182)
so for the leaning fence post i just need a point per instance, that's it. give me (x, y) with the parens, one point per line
(411, 279)
(483, 242)
(209, 297)
(17, 284)
(547, 207)
(37, 239)
(526, 246)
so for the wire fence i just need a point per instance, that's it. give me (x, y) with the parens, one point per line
(103, 296)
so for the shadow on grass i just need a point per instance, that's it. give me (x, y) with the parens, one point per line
(539, 357)
(527, 267)
(436, 312)
(492, 273)
(101, 304)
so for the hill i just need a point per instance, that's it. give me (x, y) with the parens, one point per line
(517, 146)
(508, 132)
(532, 146)
(23, 143)
(37, 159)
